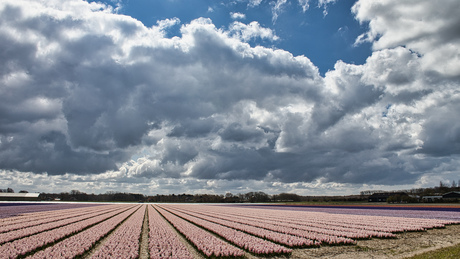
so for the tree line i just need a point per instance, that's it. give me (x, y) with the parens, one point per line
(250, 197)
(441, 189)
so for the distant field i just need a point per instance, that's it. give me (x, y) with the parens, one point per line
(366, 204)
(357, 207)
(240, 231)
(8, 209)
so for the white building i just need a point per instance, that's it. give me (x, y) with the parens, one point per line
(8, 196)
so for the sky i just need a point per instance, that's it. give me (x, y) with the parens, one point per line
(314, 97)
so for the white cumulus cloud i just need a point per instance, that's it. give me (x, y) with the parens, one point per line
(237, 16)
(246, 32)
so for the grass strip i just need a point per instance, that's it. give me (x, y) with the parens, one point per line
(451, 252)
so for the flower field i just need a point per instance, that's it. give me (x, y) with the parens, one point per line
(197, 231)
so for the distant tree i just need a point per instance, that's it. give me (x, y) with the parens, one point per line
(287, 197)
(241, 197)
(258, 197)
(393, 199)
(23, 191)
(75, 192)
(229, 197)
(10, 190)
(454, 184)
(443, 187)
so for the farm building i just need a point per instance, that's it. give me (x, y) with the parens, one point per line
(19, 196)
(451, 196)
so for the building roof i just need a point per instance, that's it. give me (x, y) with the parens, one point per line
(18, 195)
(451, 194)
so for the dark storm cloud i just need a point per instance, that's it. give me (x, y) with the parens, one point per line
(239, 163)
(103, 106)
(50, 153)
(179, 152)
(86, 91)
(235, 132)
(441, 134)
(193, 128)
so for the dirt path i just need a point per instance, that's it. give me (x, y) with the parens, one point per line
(190, 247)
(144, 242)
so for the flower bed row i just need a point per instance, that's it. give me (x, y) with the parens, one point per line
(124, 241)
(80, 243)
(424, 212)
(278, 237)
(163, 241)
(204, 241)
(319, 237)
(29, 244)
(251, 243)
(9, 210)
(33, 219)
(349, 221)
(332, 229)
(215, 231)
(52, 223)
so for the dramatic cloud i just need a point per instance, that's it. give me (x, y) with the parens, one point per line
(429, 28)
(95, 99)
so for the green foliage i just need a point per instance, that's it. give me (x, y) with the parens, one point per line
(452, 252)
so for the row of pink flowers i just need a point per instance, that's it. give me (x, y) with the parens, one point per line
(377, 223)
(319, 237)
(43, 224)
(378, 218)
(163, 240)
(249, 242)
(124, 241)
(347, 221)
(31, 243)
(73, 232)
(320, 226)
(43, 213)
(307, 222)
(33, 219)
(81, 242)
(448, 214)
(12, 210)
(204, 241)
(285, 239)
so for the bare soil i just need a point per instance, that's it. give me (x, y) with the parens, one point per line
(144, 242)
